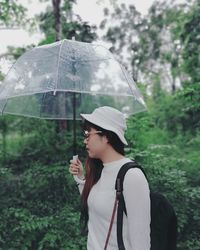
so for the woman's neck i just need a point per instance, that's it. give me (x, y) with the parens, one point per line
(111, 155)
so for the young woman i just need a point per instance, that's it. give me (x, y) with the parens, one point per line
(104, 141)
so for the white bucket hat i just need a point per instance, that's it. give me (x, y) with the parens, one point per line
(110, 119)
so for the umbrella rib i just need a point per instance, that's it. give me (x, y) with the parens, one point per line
(130, 86)
(42, 118)
(87, 60)
(4, 106)
(127, 80)
(58, 65)
(68, 90)
(4, 85)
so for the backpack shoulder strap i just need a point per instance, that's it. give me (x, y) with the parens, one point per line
(122, 172)
(121, 201)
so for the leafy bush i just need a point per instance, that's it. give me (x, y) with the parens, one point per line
(40, 210)
(165, 174)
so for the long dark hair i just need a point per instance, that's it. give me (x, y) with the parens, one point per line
(93, 168)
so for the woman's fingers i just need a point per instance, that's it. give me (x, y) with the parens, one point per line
(75, 162)
(74, 169)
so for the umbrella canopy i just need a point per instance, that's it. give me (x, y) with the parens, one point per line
(50, 81)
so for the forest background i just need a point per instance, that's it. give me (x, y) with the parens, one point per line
(39, 206)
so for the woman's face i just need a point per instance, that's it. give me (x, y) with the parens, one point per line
(95, 143)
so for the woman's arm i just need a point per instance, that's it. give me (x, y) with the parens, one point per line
(137, 200)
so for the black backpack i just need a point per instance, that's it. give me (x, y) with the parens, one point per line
(163, 217)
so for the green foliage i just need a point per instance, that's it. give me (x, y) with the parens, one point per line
(190, 39)
(39, 210)
(70, 27)
(29, 140)
(11, 13)
(39, 206)
(166, 174)
(189, 98)
(166, 141)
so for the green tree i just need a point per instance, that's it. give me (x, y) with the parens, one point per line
(189, 29)
(59, 22)
(12, 14)
(151, 43)
(191, 40)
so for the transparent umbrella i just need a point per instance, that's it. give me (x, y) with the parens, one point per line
(65, 78)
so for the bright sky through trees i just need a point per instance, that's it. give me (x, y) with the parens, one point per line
(20, 37)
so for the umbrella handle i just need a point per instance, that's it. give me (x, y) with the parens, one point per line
(74, 123)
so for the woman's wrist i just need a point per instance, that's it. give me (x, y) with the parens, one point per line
(79, 179)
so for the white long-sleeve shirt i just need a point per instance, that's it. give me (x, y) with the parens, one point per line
(136, 226)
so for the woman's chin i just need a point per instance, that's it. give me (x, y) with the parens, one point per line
(90, 154)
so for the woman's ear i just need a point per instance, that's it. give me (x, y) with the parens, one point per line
(105, 139)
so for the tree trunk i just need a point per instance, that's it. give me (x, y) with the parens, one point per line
(173, 85)
(62, 124)
(56, 10)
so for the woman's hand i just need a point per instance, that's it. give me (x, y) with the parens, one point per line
(76, 168)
